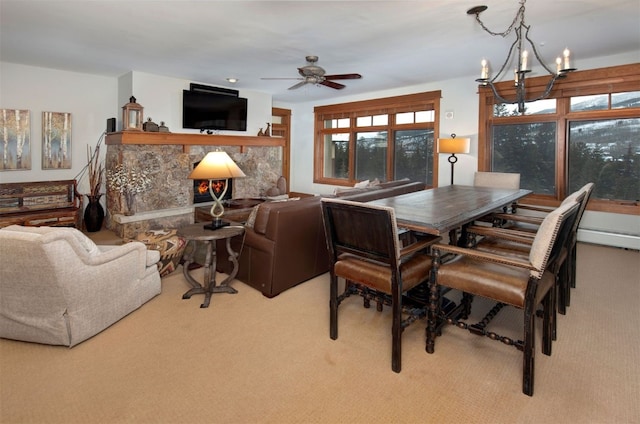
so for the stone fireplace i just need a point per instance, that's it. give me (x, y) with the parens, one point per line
(169, 202)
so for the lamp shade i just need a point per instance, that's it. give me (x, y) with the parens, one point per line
(216, 166)
(454, 145)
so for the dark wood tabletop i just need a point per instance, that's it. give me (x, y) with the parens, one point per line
(441, 209)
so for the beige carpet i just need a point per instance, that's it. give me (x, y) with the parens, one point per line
(249, 359)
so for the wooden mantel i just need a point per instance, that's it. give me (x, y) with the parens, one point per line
(163, 138)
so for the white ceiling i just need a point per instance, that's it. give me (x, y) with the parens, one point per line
(391, 43)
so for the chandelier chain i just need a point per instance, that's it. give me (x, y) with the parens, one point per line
(506, 32)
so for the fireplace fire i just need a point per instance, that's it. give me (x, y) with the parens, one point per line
(201, 190)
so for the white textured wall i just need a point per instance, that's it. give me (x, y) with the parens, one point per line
(90, 99)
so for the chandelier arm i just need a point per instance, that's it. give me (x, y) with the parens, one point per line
(501, 99)
(506, 62)
(498, 96)
(536, 54)
(547, 90)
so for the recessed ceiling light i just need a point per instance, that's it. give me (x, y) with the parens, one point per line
(232, 80)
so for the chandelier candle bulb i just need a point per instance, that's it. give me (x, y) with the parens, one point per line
(558, 65)
(523, 62)
(484, 73)
(567, 64)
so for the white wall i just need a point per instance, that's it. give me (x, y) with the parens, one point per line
(161, 98)
(90, 99)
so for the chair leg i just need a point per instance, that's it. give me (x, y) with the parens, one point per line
(396, 329)
(333, 307)
(467, 300)
(529, 348)
(434, 307)
(548, 320)
(569, 275)
(572, 267)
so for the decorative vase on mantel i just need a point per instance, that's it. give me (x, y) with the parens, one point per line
(129, 203)
(93, 214)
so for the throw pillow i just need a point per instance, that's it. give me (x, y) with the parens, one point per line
(84, 241)
(374, 183)
(170, 245)
(278, 197)
(252, 217)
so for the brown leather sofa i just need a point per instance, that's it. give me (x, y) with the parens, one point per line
(286, 245)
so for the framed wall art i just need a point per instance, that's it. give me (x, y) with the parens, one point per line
(56, 140)
(15, 140)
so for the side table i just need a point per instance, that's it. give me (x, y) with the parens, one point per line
(196, 233)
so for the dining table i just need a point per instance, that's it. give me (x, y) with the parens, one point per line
(443, 210)
(447, 210)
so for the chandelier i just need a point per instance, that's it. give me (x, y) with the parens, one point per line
(519, 48)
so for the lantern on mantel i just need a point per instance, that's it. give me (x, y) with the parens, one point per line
(132, 116)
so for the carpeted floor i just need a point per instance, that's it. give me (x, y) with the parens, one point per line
(249, 359)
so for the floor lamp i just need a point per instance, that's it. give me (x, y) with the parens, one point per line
(453, 145)
(216, 166)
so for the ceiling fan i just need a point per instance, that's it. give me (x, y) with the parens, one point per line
(314, 74)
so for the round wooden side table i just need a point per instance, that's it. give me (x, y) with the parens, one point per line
(196, 233)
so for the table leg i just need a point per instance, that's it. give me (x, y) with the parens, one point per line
(233, 257)
(210, 286)
(187, 261)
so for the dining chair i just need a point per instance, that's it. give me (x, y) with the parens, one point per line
(517, 243)
(510, 180)
(528, 224)
(523, 283)
(366, 253)
(496, 179)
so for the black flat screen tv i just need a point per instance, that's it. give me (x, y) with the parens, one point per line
(212, 111)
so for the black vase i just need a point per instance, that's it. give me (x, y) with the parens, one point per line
(93, 214)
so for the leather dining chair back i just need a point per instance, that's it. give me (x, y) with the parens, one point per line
(366, 253)
(496, 179)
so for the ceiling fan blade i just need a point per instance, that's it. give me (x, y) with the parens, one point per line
(332, 84)
(298, 85)
(343, 76)
(281, 78)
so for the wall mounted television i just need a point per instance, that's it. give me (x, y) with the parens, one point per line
(204, 110)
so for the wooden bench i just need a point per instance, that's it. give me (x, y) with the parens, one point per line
(40, 203)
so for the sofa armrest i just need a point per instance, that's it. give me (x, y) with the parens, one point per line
(152, 256)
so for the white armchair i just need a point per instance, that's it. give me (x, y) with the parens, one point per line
(57, 287)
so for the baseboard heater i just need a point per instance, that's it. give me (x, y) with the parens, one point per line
(608, 238)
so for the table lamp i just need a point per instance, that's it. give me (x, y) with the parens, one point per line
(453, 145)
(216, 166)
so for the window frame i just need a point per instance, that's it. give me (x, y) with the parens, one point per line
(590, 82)
(352, 110)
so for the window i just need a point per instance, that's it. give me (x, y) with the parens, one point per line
(588, 130)
(388, 138)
